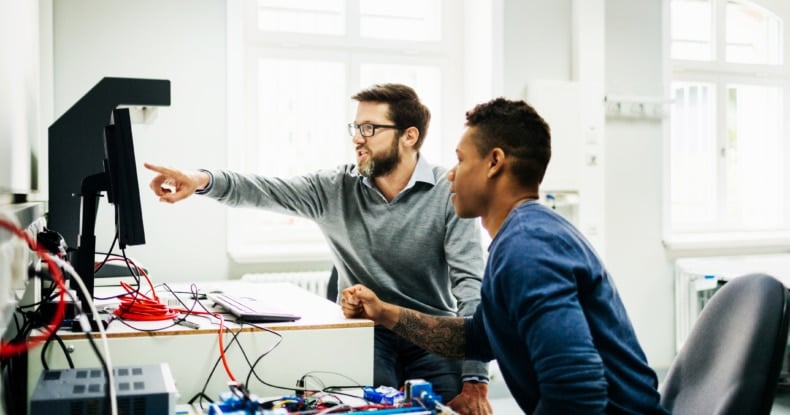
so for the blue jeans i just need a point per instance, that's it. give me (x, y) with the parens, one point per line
(397, 360)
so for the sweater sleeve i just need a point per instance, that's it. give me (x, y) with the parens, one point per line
(302, 196)
(539, 274)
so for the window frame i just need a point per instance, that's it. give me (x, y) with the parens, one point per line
(246, 45)
(722, 75)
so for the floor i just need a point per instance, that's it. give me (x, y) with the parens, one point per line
(507, 406)
(502, 401)
(781, 402)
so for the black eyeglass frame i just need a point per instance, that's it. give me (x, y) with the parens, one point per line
(353, 128)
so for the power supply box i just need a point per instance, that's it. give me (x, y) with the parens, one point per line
(143, 390)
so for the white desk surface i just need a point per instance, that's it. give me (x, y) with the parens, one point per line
(316, 312)
(322, 341)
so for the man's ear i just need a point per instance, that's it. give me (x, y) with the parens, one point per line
(496, 162)
(410, 135)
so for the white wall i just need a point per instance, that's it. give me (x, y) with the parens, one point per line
(19, 93)
(537, 43)
(538, 46)
(179, 40)
(635, 253)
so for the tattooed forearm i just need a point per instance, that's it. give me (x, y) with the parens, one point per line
(442, 335)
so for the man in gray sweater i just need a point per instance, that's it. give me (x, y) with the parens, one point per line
(391, 227)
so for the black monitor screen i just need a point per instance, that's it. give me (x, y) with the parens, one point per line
(76, 145)
(124, 191)
(86, 160)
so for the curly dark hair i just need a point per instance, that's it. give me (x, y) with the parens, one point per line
(516, 128)
(406, 110)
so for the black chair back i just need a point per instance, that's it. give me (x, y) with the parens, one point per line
(331, 286)
(731, 361)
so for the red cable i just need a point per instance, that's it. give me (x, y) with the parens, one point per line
(12, 349)
(222, 349)
(138, 306)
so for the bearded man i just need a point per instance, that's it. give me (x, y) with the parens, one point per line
(390, 225)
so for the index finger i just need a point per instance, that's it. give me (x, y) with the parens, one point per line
(160, 169)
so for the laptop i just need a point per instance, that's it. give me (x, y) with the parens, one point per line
(249, 309)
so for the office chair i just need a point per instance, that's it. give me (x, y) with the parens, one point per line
(331, 286)
(731, 361)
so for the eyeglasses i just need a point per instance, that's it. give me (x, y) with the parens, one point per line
(366, 130)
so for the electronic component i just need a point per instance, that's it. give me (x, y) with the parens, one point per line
(251, 310)
(144, 390)
(417, 398)
(420, 391)
(383, 394)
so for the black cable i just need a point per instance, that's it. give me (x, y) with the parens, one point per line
(329, 390)
(44, 351)
(44, 299)
(96, 351)
(104, 367)
(195, 300)
(202, 392)
(154, 330)
(24, 330)
(338, 374)
(174, 322)
(132, 272)
(108, 253)
(16, 321)
(134, 275)
(66, 353)
(235, 339)
(264, 354)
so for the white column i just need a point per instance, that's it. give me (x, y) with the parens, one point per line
(588, 70)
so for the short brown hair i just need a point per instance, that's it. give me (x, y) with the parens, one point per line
(405, 111)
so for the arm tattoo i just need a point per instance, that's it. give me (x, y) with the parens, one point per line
(442, 335)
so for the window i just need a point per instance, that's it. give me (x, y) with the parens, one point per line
(300, 61)
(729, 145)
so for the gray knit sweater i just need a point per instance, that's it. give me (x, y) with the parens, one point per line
(413, 251)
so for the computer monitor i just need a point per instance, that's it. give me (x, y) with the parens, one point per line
(119, 180)
(78, 166)
(76, 144)
(124, 191)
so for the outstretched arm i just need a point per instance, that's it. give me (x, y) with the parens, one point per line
(442, 335)
(173, 185)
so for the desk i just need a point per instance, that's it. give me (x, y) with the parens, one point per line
(323, 340)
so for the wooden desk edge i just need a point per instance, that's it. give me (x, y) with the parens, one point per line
(352, 323)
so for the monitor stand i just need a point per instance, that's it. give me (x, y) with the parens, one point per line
(92, 187)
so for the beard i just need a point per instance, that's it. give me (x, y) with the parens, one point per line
(381, 164)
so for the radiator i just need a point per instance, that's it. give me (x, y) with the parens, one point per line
(313, 281)
(696, 280)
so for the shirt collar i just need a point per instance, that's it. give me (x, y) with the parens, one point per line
(423, 172)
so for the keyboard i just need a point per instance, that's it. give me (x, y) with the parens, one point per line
(249, 309)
